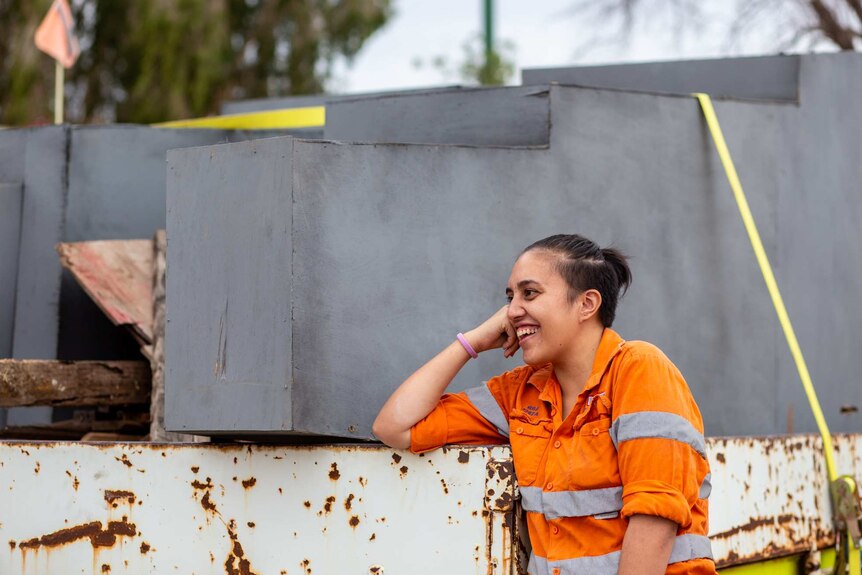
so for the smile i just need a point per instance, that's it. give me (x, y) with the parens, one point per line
(525, 332)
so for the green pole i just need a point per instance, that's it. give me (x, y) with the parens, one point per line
(489, 29)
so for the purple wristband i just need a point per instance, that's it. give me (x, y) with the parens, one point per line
(467, 346)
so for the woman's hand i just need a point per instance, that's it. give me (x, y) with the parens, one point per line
(497, 331)
(420, 393)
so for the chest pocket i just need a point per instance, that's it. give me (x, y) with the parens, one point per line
(593, 463)
(529, 438)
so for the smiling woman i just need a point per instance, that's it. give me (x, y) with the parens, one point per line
(607, 440)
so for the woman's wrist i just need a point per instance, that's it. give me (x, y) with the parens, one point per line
(473, 340)
(467, 345)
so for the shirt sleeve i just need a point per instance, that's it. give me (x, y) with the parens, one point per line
(477, 416)
(658, 432)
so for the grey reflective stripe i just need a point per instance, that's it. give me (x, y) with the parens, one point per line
(690, 546)
(555, 504)
(537, 565)
(685, 548)
(488, 407)
(642, 424)
(705, 487)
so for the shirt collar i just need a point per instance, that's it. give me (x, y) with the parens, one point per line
(609, 346)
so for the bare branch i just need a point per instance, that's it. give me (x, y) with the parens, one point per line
(856, 6)
(830, 26)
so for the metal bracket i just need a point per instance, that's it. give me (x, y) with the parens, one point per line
(847, 507)
(847, 512)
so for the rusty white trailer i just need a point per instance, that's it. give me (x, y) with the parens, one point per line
(200, 509)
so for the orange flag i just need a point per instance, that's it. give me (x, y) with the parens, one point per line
(56, 34)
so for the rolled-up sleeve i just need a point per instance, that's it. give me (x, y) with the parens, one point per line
(658, 432)
(472, 417)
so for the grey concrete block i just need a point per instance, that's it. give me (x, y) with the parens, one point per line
(763, 78)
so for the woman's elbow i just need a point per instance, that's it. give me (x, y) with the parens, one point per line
(384, 431)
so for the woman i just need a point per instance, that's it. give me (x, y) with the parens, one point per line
(607, 440)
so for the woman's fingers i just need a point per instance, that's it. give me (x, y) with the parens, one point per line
(510, 346)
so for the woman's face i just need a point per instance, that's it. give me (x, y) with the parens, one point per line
(546, 322)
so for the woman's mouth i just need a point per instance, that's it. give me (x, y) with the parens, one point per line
(525, 333)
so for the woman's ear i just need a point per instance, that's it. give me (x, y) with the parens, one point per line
(590, 302)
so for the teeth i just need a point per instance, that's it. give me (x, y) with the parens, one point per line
(525, 331)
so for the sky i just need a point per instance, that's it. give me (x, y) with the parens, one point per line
(545, 33)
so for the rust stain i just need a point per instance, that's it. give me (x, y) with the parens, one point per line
(306, 565)
(333, 472)
(207, 504)
(37, 468)
(195, 469)
(463, 457)
(720, 457)
(348, 503)
(93, 531)
(403, 470)
(754, 524)
(12, 544)
(251, 524)
(145, 548)
(362, 481)
(106, 568)
(354, 521)
(111, 496)
(236, 563)
(249, 483)
(396, 458)
(124, 459)
(845, 409)
(327, 507)
(307, 504)
(373, 537)
(202, 486)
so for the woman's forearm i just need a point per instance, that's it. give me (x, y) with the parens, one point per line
(418, 396)
(647, 545)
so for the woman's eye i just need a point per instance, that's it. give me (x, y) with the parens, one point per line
(528, 293)
(509, 299)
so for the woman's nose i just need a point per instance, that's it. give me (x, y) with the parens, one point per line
(515, 310)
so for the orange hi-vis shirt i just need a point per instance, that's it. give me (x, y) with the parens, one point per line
(633, 444)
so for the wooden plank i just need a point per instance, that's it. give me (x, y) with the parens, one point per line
(118, 275)
(63, 383)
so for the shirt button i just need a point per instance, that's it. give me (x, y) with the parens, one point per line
(519, 431)
(556, 571)
(557, 444)
(595, 432)
(555, 529)
(549, 486)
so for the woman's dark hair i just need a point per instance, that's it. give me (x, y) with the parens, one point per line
(584, 265)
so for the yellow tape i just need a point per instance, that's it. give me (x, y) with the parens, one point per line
(777, 301)
(311, 117)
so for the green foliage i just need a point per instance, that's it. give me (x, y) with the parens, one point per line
(492, 68)
(476, 66)
(146, 61)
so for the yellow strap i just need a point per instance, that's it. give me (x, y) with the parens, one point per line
(310, 117)
(777, 301)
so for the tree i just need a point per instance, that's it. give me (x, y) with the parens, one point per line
(152, 60)
(792, 24)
